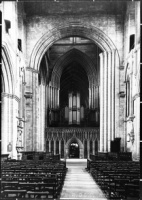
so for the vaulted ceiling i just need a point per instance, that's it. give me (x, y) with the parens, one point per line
(74, 62)
(74, 78)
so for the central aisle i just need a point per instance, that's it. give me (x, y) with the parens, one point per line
(79, 184)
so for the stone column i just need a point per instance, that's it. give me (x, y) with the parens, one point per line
(109, 99)
(81, 155)
(89, 98)
(131, 101)
(9, 124)
(33, 140)
(113, 97)
(60, 147)
(101, 102)
(40, 110)
(54, 147)
(137, 125)
(137, 118)
(4, 117)
(94, 105)
(35, 133)
(46, 100)
(88, 149)
(28, 138)
(48, 96)
(13, 121)
(51, 97)
(50, 146)
(9, 120)
(97, 97)
(93, 147)
(92, 97)
(105, 101)
(55, 98)
(41, 147)
(58, 97)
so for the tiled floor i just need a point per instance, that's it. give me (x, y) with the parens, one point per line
(79, 184)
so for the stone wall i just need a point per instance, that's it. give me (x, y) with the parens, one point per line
(13, 77)
(37, 26)
(132, 75)
(104, 24)
(69, 135)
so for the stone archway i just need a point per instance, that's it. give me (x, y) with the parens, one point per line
(71, 29)
(67, 147)
(74, 150)
(109, 71)
(9, 104)
(79, 57)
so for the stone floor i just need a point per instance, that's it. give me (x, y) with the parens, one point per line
(79, 184)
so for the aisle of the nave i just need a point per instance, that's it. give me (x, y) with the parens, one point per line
(79, 184)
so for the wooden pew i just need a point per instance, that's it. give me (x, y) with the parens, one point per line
(33, 177)
(132, 192)
(11, 193)
(113, 175)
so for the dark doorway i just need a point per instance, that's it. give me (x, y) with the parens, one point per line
(74, 150)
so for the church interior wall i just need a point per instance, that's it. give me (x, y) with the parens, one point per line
(35, 24)
(113, 26)
(132, 75)
(21, 103)
(14, 62)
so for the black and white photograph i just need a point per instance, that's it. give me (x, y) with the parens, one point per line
(70, 100)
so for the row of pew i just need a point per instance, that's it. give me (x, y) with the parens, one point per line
(118, 180)
(32, 180)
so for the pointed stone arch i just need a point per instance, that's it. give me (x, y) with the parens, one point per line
(9, 104)
(78, 56)
(67, 146)
(109, 71)
(70, 29)
(7, 73)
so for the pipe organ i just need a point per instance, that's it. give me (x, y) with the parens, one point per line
(53, 93)
(73, 112)
(74, 108)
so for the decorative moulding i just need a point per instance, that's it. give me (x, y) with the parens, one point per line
(121, 67)
(131, 118)
(122, 94)
(28, 95)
